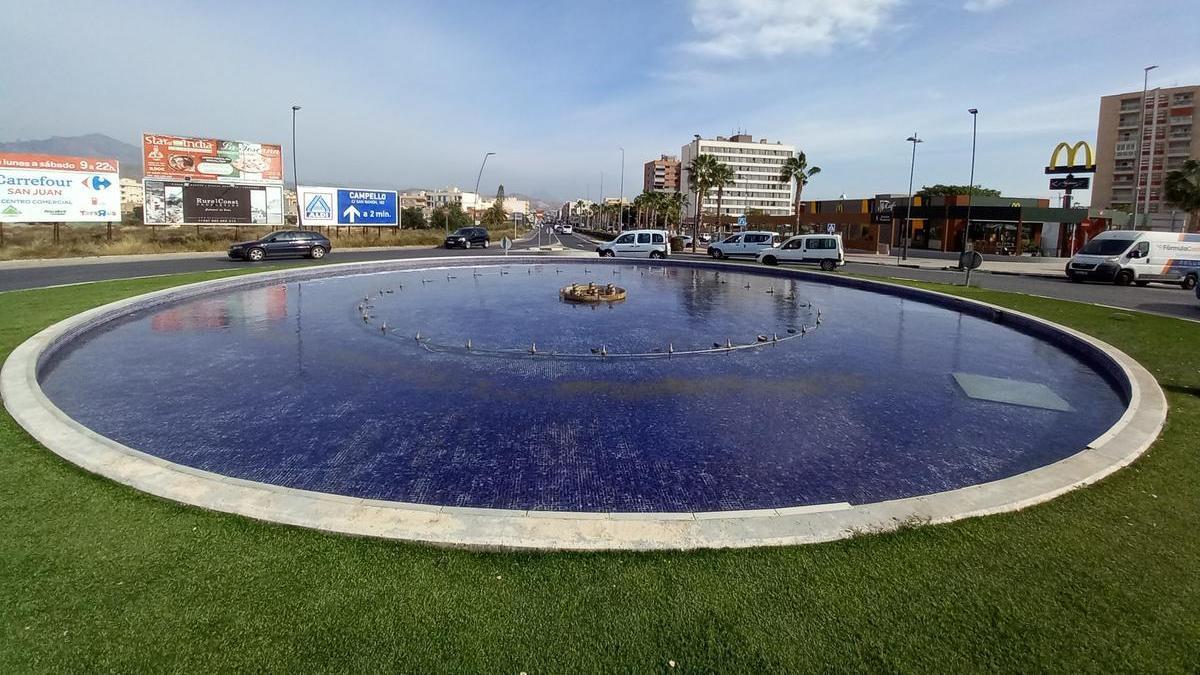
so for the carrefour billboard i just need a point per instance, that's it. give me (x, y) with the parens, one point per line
(210, 159)
(57, 189)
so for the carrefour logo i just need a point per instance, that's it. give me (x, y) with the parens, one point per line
(318, 208)
(97, 182)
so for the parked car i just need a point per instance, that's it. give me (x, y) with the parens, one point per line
(705, 237)
(1129, 256)
(282, 244)
(566, 229)
(468, 237)
(821, 249)
(637, 244)
(744, 244)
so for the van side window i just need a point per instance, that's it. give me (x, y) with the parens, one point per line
(643, 238)
(793, 244)
(658, 238)
(625, 239)
(1143, 249)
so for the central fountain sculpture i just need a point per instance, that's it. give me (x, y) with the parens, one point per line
(591, 292)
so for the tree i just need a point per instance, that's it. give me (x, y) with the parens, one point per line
(797, 169)
(412, 216)
(940, 190)
(495, 216)
(723, 176)
(451, 217)
(700, 179)
(673, 207)
(1182, 188)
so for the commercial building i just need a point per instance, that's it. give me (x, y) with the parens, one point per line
(1132, 181)
(999, 225)
(661, 175)
(756, 184)
(132, 194)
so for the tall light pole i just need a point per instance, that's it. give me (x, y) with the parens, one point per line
(911, 169)
(295, 171)
(1137, 179)
(481, 165)
(970, 185)
(621, 225)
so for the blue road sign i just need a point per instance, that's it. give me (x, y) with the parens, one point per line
(366, 207)
(742, 221)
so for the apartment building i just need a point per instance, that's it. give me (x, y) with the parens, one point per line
(132, 194)
(756, 184)
(661, 175)
(452, 195)
(1127, 174)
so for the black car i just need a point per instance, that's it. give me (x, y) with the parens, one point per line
(468, 237)
(281, 245)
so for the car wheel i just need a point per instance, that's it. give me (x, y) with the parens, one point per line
(1142, 282)
(608, 254)
(317, 252)
(1124, 278)
(828, 265)
(655, 255)
(467, 244)
(255, 255)
(486, 243)
(770, 260)
(1189, 282)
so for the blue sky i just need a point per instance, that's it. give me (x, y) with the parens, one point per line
(413, 93)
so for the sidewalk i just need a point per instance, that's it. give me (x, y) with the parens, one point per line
(1036, 267)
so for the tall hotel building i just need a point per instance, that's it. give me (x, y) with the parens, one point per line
(756, 166)
(1166, 122)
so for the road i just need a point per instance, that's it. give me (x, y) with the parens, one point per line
(1169, 300)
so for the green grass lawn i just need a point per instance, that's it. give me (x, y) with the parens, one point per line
(96, 576)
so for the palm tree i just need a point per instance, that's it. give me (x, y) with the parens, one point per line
(1182, 189)
(700, 179)
(722, 176)
(797, 169)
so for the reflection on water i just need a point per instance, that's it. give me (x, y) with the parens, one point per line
(289, 385)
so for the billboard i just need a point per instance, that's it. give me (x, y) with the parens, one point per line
(347, 206)
(210, 159)
(56, 189)
(179, 202)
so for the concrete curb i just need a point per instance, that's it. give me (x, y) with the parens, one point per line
(494, 528)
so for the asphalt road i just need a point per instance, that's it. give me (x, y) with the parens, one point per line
(1169, 300)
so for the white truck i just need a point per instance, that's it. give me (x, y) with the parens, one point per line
(1128, 257)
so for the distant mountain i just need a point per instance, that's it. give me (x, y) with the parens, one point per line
(90, 145)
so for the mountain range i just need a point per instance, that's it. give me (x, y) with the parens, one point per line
(130, 157)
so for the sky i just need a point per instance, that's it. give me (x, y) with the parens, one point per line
(412, 94)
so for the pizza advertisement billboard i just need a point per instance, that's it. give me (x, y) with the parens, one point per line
(57, 189)
(184, 202)
(211, 159)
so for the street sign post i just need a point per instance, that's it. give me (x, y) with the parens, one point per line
(830, 228)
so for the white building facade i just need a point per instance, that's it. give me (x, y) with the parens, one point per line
(756, 184)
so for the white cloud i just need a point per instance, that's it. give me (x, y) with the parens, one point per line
(744, 28)
(984, 5)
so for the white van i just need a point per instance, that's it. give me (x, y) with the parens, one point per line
(820, 249)
(637, 244)
(1130, 256)
(744, 243)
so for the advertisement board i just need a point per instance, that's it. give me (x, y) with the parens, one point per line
(210, 159)
(347, 206)
(56, 189)
(179, 202)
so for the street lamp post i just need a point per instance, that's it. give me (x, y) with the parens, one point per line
(1137, 180)
(911, 169)
(481, 165)
(621, 225)
(970, 187)
(295, 172)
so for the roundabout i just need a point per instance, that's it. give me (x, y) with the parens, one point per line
(462, 402)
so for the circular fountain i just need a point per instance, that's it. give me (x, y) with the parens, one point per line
(462, 401)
